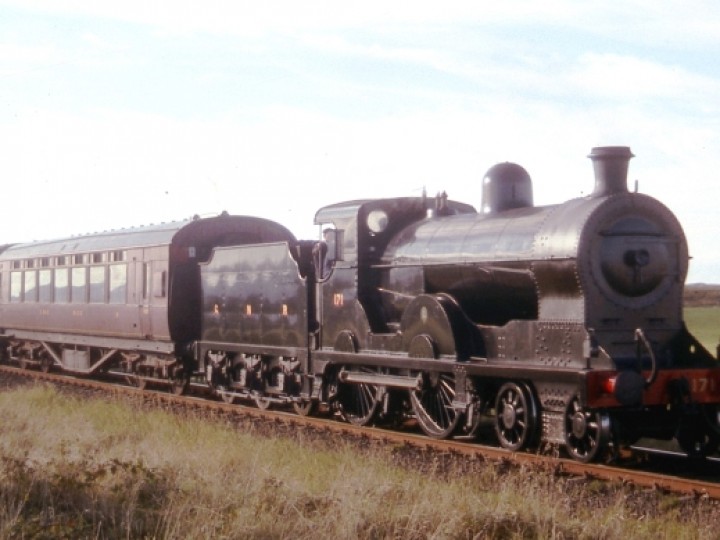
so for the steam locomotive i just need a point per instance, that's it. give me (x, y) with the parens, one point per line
(558, 324)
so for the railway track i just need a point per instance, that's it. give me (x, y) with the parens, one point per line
(633, 469)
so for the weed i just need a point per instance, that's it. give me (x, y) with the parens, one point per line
(90, 469)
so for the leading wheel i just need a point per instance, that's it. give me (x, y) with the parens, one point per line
(433, 405)
(516, 419)
(359, 402)
(587, 433)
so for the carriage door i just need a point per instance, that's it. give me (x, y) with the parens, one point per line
(145, 287)
(153, 289)
(154, 316)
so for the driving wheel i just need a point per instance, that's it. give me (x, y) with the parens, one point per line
(359, 401)
(432, 403)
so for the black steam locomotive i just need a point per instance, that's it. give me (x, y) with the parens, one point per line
(556, 324)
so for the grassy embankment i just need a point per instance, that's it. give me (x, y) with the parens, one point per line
(702, 314)
(73, 469)
(704, 323)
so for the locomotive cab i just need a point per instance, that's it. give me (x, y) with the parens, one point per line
(351, 296)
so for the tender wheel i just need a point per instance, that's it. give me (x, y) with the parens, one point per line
(262, 403)
(516, 420)
(223, 388)
(179, 384)
(359, 402)
(587, 433)
(433, 405)
(226, 395)
(305, 408)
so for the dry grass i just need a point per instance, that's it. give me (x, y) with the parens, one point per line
(72, 469)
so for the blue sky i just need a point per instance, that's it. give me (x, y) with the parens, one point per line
(119, 114)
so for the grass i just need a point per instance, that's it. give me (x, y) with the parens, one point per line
(704, 324)
(92, 469)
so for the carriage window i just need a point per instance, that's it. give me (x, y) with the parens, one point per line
(97, 285)
(118, 283)
(45, 286)
(117, 256)
(159, 284)
(16, 286)
(146, 281)
(98, 257)
(78, 288)
(30, 286)
(62, 289)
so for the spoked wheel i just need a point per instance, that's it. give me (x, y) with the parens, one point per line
(359, 402)
(515, 417)
(587, 433)
(433, 405)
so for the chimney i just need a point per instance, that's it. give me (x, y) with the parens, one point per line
(611, 167)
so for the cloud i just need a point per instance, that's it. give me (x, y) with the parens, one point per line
(679, 22)
(628, 78)
(16, 60)
(128, 113)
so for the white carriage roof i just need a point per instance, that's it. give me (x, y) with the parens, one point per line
(135, 237)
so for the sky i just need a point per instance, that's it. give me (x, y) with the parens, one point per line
(118, 114)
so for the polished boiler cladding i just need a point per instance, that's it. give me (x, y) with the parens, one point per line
(557, 324)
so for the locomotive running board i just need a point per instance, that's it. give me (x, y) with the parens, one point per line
(473, 367)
